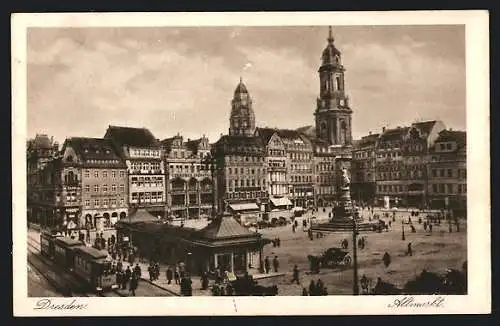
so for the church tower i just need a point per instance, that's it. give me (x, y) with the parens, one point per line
(242, 119)
(333, 114)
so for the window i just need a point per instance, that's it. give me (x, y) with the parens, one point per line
(450, 188)
(87, 203)
(450, 173)
(122, 202)
(96, 188)
(96, 174)
(87, 188)
(104, 188)
(105, 202)
(122, 174)
(113, 201)
(96, 202)
(113, 187)
(113, 174)
(104, 174)
(448, 146)
(441, 173)
(87, 174)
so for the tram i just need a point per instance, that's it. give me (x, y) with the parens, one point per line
(89, 264)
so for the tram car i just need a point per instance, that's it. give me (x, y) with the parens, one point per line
(93, 266)
(65, 251)
(47, 247)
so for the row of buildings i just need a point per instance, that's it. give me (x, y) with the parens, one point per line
(252, 171)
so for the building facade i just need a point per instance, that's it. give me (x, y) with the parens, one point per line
(241, 166)
(277, 162)
(189, 182)
(40, 152)
(401, 164)
(447, 170)
(142, 153)
(96, 178)
(364, 183)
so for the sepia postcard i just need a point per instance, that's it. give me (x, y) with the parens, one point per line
(242, 163)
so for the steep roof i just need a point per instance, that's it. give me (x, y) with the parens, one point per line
(309, 131)
(135, 137)
(225, 227)
(234, 142)
(394, 134)
(94, 149)
(41, 141)
(265, 134)
(193, 144)
(424, 126)
(460, 137)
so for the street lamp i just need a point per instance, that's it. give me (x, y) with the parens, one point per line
(209, 163)
(355, 289)
(403, 230)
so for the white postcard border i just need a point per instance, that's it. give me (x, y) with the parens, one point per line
(478, 184)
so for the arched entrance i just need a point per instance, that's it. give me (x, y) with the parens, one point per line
(114, 218)
(123, 215)
(107, 219)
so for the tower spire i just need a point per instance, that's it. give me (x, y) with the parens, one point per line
(330, 35)
(241, 79)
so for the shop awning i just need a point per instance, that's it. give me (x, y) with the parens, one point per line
(283, 201)
(244, 207)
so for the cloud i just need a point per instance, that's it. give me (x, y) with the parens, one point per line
(182, 79)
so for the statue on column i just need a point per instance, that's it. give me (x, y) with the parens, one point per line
(346, 182)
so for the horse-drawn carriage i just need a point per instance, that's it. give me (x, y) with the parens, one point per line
(332, 257)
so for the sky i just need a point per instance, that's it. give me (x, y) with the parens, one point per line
(181, 80)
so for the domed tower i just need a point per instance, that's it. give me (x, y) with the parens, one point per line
(242, 119)
(333, 114)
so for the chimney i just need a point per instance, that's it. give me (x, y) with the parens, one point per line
(383, 129)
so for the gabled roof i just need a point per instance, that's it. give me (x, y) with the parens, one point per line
(135, 137)
(193, 144)
(265, 134)
(226, 227)
(424, 126)
(93, 149)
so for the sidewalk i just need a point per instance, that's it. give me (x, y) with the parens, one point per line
(197, 290)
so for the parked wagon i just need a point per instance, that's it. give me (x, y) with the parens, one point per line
(64, 249)
(93, 266)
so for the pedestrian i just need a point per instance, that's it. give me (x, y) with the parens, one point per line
(204, 281)
(410, 251)
(312, 288)
(319, 287)
(386, 259)
(177, 275)
(304, 292)
(137, 270)
(325, 291)
(293, 228)
(295, 274)
(364, 284)
(134, 282)
(229, 289)
(425, 225)
(157, 271)
(128, 275)
(169, 275)
(266, 264)
(276, 264)
(150, 271)
(430, 228)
